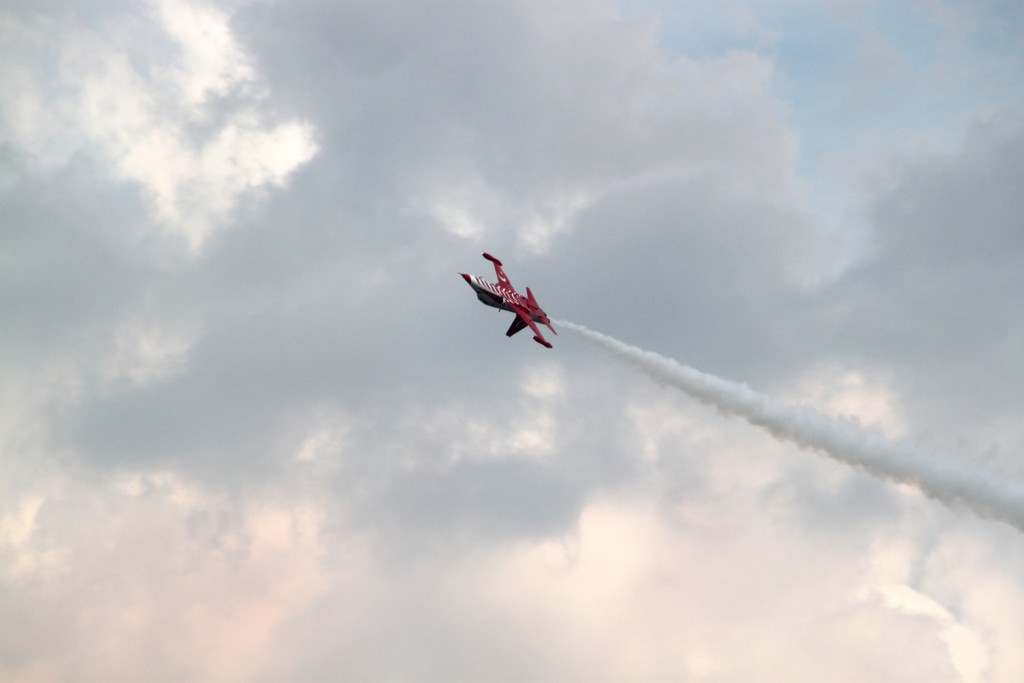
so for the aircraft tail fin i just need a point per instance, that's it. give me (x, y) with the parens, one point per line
(535, 306)
(498, 271)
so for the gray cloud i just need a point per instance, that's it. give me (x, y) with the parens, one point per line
(947, 259)
(714, 272)
(69, 267)
(300, 449)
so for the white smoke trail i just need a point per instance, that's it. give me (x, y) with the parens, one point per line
(935, 475)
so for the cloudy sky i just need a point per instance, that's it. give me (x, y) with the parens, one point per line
(253, 426)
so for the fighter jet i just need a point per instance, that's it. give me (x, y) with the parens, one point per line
(503, 296)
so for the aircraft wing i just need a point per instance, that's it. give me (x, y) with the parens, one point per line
(516, 326)
(525, 319)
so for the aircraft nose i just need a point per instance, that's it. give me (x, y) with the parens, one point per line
(465, 277)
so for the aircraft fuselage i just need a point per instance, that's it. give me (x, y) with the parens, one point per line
(495, 296)
(503, 296)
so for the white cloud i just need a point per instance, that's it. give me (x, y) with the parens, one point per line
(967, 649)
(150, 569)
(163, 119)
(853, 395)
(211, 62)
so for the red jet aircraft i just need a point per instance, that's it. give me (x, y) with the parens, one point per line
(503, 296)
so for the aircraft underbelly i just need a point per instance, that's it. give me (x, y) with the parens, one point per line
(490, 299)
